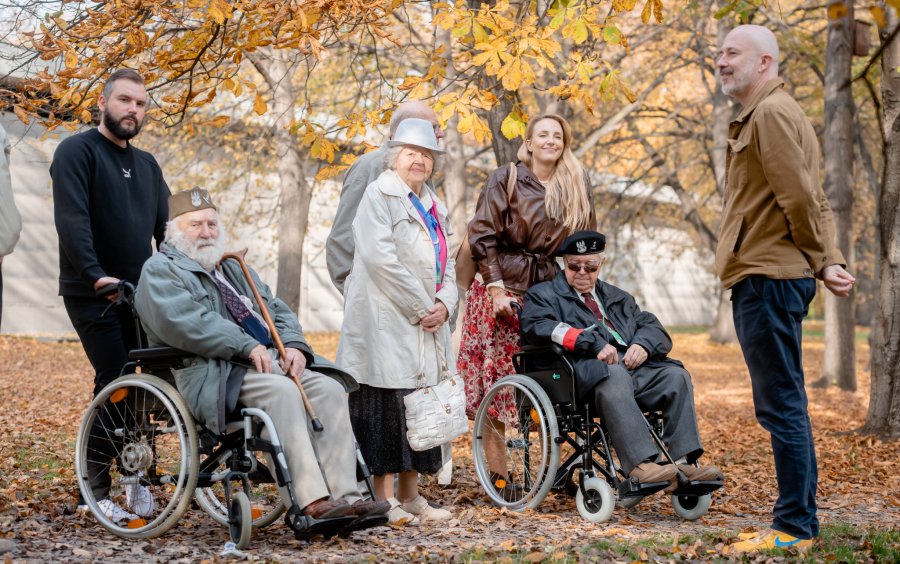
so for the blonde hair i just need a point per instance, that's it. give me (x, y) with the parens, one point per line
(567, 200)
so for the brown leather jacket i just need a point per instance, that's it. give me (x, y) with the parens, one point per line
(515, 240)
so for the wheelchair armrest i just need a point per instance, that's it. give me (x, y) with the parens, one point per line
(157, 354)
(543, 349)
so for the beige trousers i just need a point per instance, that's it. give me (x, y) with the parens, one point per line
(322, 465)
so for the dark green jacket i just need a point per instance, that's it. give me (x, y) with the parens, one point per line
(180, 306)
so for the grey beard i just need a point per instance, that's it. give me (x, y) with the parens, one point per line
(740, 80)
(207, 257)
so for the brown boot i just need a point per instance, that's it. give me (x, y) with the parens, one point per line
(362, 508)
(324, 509)
(649, 472)
(694, 474)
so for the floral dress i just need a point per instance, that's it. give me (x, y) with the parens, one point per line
(485, 354)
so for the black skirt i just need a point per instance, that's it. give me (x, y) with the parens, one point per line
(378, 416)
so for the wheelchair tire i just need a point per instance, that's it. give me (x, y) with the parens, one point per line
(691, 507)
(629, 502)
(241, 526)
(167, 454)
(601, 502)
(535, 482)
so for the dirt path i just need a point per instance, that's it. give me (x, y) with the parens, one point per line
(46, 387)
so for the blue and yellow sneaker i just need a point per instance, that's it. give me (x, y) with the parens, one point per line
(768, 540)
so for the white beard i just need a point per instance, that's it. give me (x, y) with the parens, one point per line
(206, 256)
(740, 80)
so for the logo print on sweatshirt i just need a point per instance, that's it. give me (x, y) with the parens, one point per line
(127, 172)
(195, 198)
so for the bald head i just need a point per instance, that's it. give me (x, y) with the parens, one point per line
(748, 59)
(414, 109)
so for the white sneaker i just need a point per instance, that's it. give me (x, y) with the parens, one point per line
(112, 511)
(140, 500)
(420, 508)
(397, 514)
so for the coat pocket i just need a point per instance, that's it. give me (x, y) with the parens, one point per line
(737, 169)
(736, 235)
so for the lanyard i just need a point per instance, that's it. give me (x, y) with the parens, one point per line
(608, 325)
(432, 224)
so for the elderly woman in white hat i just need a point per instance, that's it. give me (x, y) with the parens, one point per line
(398, 297)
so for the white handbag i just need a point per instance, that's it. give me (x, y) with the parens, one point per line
(435, 414)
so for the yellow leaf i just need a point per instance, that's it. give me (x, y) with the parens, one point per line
(218, 121)
(419, 91)
(480, 129)
(229, 84)
(878, 14)
(513, 126)
(645, 13)
(895, 4)
(535, 557)
(20, 113)
(580, 31)
(190, 130)
(86, 116)
(71, 59)
(330, 171)
(238, 89)
(658, 10)
(464, 126)
(348, 159)
(216, 12)
(394, 5)
(259, 105)
(836, 10)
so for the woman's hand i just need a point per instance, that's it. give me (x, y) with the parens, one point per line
(437, 315)
(501, 302)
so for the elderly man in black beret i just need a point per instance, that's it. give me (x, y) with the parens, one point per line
(621, 353)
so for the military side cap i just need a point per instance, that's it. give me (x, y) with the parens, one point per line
(190, 200)
(583, 243)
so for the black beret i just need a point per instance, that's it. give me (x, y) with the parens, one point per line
(583, 243)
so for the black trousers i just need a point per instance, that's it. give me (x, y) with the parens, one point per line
(106, 341)
(767, 316)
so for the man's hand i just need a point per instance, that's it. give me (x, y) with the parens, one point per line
(438, 314)
(635, 356)
(837, 280)
(294, 362)
(106, 281)
(261, 359)
(609, 355)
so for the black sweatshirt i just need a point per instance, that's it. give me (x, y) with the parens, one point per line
(107, 202)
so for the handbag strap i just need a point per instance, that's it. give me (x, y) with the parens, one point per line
(511, 183)
(442, 358)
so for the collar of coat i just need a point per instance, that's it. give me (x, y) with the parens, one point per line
(767, 89)
(607, 293)
(390, 184)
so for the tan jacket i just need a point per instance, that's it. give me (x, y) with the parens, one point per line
(776, 221)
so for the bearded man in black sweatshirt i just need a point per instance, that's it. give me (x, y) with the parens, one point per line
(109, 201)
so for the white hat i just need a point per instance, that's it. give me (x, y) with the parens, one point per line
(418, 132)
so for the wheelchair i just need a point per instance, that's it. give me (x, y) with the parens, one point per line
(548, 416)
(152, 440)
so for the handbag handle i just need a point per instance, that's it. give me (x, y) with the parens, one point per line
(442, 357)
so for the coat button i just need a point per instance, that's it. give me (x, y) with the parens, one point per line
(181, 375)
(547, 238)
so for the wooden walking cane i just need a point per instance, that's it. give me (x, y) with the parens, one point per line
(239, 256)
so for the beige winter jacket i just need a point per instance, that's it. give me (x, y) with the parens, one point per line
(10, 220)
(390, 288)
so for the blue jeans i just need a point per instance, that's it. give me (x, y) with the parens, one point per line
(767, 316)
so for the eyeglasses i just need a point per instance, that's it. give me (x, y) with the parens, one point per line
(589, 268)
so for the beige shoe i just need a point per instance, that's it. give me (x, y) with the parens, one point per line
(649, 472)
(420, 508)
(694, 474)
(397, 516)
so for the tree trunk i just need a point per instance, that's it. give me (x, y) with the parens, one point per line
(505, 150)
(840, 319)
(723, 330)
(883, 418)
(295, 191)
(455, 159)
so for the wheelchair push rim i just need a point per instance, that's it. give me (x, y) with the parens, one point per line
(529, 450)
(158, 450)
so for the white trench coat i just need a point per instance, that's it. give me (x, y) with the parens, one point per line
(390, 288)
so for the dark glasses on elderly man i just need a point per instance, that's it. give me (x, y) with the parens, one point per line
(589, 268)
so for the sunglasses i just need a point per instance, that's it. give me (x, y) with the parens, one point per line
(589, 268)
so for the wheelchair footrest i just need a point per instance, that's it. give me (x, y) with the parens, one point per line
(633, 488)
(363, 523)
(700, 487)
(305, 528)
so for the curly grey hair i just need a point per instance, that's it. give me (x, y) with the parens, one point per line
(391, 154)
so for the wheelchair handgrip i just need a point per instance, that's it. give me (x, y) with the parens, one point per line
(516, 306)
(107, 290)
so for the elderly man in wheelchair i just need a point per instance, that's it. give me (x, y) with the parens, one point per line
(234, 383)
(589, 351)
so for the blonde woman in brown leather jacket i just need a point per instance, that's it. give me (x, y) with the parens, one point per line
(514, 237)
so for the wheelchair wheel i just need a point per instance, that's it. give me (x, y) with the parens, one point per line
(599, 504)
(265, 501)
(691, 507)
(148, 440)
(528, 451)
(240, 526)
